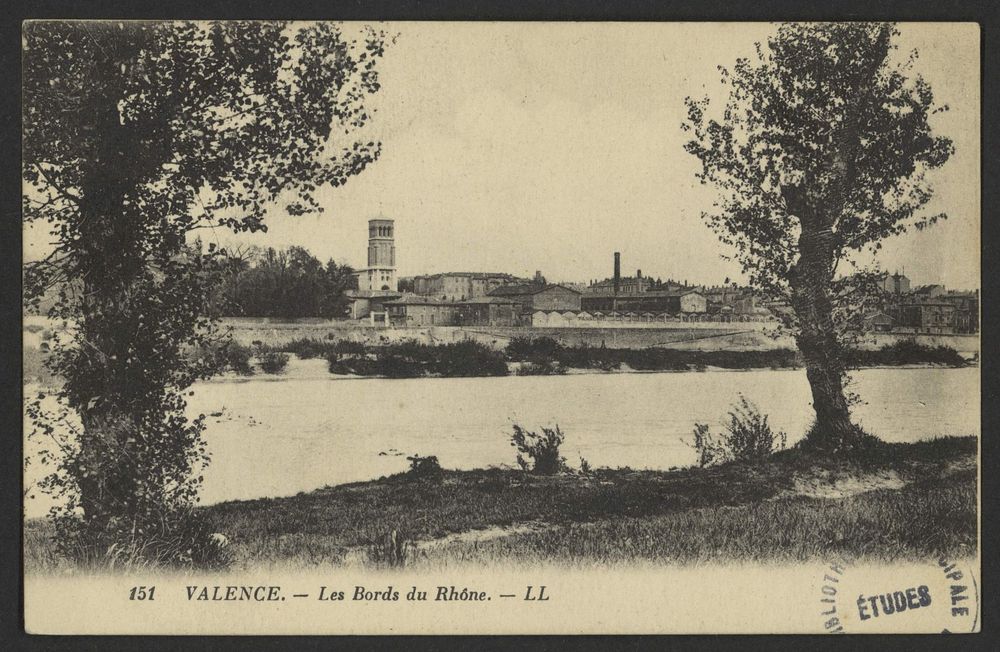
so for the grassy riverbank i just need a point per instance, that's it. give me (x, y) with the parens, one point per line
(894, 502)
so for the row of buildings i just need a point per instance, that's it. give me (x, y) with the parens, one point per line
(929, 309)
(500, 299)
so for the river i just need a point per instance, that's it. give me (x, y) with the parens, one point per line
(278, 435)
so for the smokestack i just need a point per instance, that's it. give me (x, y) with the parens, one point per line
(618, 271)
(638, 273)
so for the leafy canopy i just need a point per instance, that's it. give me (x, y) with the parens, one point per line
(823, 131)
(136, 134)
(202, 123)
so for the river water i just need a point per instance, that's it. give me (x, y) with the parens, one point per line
(278, 435)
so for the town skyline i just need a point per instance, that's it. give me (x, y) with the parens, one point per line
(508, 152)
(504, 151)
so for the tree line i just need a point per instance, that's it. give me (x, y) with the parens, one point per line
(282, 283)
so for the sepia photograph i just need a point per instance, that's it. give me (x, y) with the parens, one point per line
(501, 327)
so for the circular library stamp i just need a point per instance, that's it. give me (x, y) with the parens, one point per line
(935, 597)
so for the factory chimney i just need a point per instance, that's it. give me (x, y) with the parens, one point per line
(618, 271)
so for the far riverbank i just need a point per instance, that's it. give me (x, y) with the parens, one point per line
(699, 336)
(545, 356)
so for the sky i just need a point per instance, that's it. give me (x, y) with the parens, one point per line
(548, 146)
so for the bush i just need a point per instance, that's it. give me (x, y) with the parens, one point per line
(524, 348)
(177, 540)
(394, 364)
(468, 358)
(306, 348)
(391, 549)
(343, 363)
(658, 359)
(349, 346)
(272, 362)
(219, 357)
(539, 453)
(235, 357)
(746, 436)
(414, 360)
(907, 351)
(709, 450)
(543, 368)
(425, 467)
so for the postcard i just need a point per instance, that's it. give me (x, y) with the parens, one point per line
(501, 327)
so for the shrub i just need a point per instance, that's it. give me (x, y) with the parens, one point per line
(746, 436)
(907, 351)
(709, 450)
(468, 358)
(394, 364)
(413, 360)
(171, 539)
(218, 357)
(307, 348)
(342, 363)
(425, 467)
(349, 346)
(391, 549)
(539, 453)
(235, 357)
(273, 362)
(543, 368)
(521, 348)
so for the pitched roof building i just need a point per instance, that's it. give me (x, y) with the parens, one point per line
(533, 296)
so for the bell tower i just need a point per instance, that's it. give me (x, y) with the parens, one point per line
(381, 243)
(380, 274)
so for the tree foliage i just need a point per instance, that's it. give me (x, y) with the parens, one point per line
(822, 148)
(284, 284)
(135, 135)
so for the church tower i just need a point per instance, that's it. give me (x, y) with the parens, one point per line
(381, 243)
(381, 272)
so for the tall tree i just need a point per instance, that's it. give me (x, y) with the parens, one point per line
(136, 134)
(822, 148)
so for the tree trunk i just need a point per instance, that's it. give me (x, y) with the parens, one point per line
(818, 341)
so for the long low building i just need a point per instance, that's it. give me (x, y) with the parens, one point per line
(489, 311)
(652, 301)
(459, 286)
(417, 310)
(537, 296)
(413, 310)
